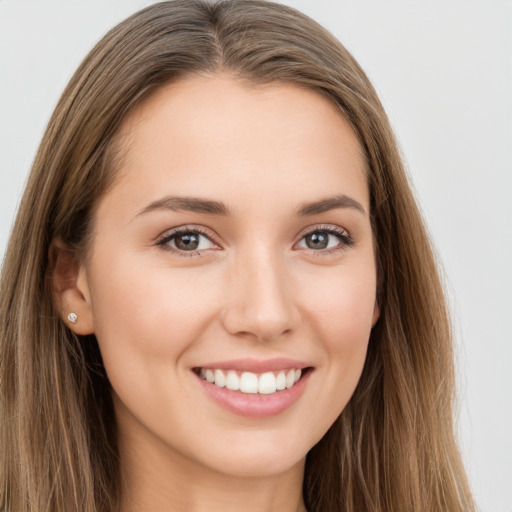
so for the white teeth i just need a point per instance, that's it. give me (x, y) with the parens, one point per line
(232, 381)
(281, 381)
(267, 383)
(249, 382)
(290, 378)
(220, 380)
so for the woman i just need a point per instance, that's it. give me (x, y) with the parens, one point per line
(219, 291)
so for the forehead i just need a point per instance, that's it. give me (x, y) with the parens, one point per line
(217, 134)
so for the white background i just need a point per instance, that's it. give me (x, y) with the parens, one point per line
(444, 72)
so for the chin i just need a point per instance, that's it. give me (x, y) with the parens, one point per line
(256, 454)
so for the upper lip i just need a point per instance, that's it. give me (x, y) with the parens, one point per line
(257, 365)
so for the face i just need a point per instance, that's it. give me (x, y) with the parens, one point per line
(236, 247)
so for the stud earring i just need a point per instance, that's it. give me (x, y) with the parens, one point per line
(73, 318)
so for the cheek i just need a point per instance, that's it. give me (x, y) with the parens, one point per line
(340, 316)
(341, 305)
(147, 317)
(147, 313)
(347, 319)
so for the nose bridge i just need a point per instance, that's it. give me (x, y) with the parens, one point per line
(260, 294)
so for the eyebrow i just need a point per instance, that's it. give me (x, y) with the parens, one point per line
(329, 203)
(210, 207)
(189, 204)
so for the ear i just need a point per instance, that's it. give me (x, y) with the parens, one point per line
(70, 287)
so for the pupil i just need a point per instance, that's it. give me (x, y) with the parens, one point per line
(317, 240)
(187, 242)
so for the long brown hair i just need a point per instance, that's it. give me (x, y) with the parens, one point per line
(393, 447)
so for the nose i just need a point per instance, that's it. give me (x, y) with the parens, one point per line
(260, 300)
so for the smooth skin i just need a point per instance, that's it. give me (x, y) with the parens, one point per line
(258, 280)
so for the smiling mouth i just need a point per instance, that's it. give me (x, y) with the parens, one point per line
(246, 382)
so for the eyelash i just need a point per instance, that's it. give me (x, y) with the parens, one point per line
(168, 237)
(345, 240)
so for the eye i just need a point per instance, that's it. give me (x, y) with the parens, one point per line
(187, 240)
(325, 239)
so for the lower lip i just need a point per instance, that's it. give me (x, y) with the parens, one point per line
(256, 405)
